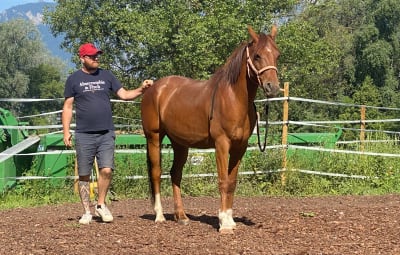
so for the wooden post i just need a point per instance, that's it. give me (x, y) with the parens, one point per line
(362, 128)
(93, 185)
(285, 131)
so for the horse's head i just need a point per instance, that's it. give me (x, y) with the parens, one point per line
(262, 57)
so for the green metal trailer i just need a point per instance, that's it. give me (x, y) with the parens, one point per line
(58, 161)
(14, 141)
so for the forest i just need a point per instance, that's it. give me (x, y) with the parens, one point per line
(334, 50)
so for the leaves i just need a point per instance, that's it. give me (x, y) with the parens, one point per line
(329, 48)
(152, 39)
(21, 76)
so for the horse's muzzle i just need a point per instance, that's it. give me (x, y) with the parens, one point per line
(271, 89)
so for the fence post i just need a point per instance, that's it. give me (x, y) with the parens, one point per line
(285, 131)
(362, 128)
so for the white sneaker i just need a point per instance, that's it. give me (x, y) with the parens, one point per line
(104, 213)
(86, 218)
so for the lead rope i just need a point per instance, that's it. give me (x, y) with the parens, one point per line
(266, 108)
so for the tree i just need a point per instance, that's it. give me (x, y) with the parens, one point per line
(20, 45)
(143, 39)
(333, 49)
(22, 62)
(45, 82)
(151, 39)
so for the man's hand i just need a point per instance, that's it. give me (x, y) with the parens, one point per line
(68, 140)
(146, 84)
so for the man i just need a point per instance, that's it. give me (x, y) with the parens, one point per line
(89, 90)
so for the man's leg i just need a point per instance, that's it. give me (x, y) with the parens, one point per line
(84, 192)
(85, 153)
(103, 184)
(105, 160)
(85, 199)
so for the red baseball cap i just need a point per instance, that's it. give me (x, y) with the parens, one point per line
(88, 49)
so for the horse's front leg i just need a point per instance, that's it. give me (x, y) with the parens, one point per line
(154, 168)
(235, 159)
(227, 185)
(180, 156)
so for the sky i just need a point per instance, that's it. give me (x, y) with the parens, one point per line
(5, 4)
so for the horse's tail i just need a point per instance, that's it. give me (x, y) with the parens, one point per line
(151, 184)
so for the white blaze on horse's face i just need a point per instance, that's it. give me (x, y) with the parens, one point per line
(269, 73)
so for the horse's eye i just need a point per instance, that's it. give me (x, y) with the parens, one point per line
(257, 57)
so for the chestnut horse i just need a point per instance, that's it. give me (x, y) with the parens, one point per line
(217, 113)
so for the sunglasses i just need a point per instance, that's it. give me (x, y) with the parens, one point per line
(93, 57)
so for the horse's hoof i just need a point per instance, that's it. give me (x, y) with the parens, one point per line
(160, 219)
(183, 222)
(224, 231)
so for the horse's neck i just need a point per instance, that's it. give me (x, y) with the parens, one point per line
(243, 91)
(245, 85)
(251, 90)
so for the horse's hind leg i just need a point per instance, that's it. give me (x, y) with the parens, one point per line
(180, 156)
(154, 165)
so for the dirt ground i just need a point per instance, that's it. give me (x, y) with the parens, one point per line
(295, 226)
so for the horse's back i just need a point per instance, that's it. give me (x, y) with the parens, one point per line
(179, 107)
(176, 91)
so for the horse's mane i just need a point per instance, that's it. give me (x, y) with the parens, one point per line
(230, 71)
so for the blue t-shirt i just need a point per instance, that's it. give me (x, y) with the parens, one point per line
(91, 94)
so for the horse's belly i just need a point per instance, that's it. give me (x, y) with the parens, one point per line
(187, 125)
(192, 139)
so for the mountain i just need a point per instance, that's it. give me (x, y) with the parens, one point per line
(34, 13)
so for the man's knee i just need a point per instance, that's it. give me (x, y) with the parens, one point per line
(106, 172)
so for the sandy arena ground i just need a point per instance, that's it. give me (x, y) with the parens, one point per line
(296, 226)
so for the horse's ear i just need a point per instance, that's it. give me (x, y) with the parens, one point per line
(274, 31)
(253, 34)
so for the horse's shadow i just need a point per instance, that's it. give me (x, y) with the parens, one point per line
(205, 219)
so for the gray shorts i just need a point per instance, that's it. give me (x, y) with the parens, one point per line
(90, 145)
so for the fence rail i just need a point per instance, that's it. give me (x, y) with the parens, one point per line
(284, 146)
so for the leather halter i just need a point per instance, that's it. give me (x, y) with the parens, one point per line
(251, 66)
